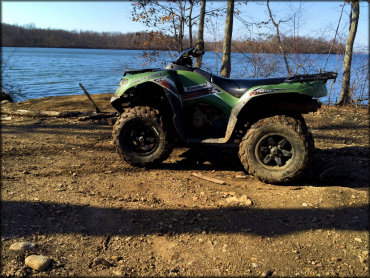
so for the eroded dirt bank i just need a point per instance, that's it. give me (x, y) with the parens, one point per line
(65, 189)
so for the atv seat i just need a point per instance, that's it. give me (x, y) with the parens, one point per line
(237, 87)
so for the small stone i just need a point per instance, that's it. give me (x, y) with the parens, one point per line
(267, 273)
(22, 246)
(231, 199)
(358, 239)
(254, 264)
(37, 262)
(118, 272)
(101, 261)
(245, 200)
(128, 238)
(116, 258)
(304, 205)
(366, 252)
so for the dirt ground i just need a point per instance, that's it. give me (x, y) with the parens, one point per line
(65, 189)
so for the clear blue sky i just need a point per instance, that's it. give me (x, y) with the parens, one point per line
(319, 17)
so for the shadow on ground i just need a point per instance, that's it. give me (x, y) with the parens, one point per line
(346, 166)
(27, 218)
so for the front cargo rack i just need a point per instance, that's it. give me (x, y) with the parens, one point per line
(325, 76)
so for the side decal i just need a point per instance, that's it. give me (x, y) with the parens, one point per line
(199, 91)
(259, 91)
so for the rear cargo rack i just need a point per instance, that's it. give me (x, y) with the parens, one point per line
(140, 71)
(324, 76)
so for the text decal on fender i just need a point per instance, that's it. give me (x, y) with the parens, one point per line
(259, 91)
(167, 83)
(199, 91)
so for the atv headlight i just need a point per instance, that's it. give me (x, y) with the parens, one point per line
(121, 86)
(123, 81)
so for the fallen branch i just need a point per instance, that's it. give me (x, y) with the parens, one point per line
(58, 114)
(89, 97)
(99, 116)
(209, 179)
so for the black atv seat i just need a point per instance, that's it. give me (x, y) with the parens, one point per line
(237, 87)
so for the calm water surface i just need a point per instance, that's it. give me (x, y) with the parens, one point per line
(41, 72)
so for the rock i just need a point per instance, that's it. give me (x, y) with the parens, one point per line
(118, 272)
(37, 262)
(304, 205)
(243, 200)
(254, 264)
(267, 273)
(116, 258)
(358, 239)
(22, 246)
(231, 200)
(101, 261)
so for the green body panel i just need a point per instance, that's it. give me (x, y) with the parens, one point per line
(220, 99)
(315, 89)
(136, 79)
(189, 78)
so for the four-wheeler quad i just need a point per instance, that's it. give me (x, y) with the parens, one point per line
(264, 115)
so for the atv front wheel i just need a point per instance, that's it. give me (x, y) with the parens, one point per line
(141, 136)
(277, 149)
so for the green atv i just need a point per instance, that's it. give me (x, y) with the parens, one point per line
(263, 115)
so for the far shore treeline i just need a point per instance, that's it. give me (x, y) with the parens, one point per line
(31, 36)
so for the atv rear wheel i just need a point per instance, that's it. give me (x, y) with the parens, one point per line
(277, 149)
(141, 136)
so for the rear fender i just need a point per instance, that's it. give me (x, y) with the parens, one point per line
(253, 107)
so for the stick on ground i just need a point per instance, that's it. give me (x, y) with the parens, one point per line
(209, 179)
(89, 97)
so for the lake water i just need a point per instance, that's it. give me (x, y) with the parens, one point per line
(40, 72)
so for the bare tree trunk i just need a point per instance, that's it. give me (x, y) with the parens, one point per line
(200, 44)
(226, 48)
(279, 40)
(345, 93)
(191, 23)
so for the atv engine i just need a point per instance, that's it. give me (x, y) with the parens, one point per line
(204, 120)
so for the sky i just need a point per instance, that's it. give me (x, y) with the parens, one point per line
(318, 17)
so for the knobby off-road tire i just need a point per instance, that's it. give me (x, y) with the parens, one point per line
(277, 149)
(141, 136)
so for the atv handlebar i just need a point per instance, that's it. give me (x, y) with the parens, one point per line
(186, 57)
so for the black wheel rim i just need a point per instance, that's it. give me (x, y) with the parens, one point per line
(141, 138)
(274, 150)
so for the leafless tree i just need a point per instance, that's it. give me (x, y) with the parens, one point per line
(346, 92)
